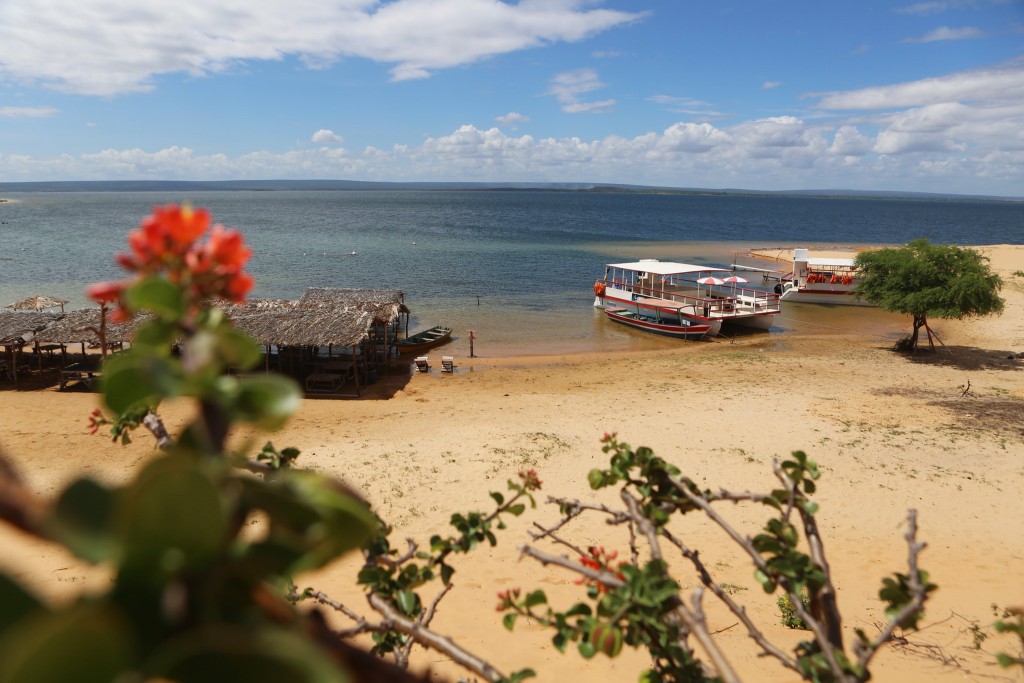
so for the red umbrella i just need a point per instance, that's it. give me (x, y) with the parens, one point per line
(711, 281)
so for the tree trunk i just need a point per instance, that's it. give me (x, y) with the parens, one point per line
(920, 320)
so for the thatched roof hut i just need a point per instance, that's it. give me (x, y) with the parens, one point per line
(384, 304)
(17, 324)
(80, 327)
(38, 302)
(297, 323)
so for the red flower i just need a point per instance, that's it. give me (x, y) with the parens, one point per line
(105, 292)
(227, 248)
(166, 242)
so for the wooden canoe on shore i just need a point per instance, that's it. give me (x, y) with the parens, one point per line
(422, 341)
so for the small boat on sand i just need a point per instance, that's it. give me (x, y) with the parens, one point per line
(428, 339)
(664, 317)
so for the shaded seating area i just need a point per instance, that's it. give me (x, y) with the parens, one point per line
(332, 341)
(447, 364)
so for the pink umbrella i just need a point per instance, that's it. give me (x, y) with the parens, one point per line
(710, 281)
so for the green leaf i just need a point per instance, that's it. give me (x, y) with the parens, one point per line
(596, 479)
(446, 574)
(171, 517)
(498, 498)
(132, 380)
(587, 649)
(236, 349)
(15, 602)
(85, 643)
(82, 519)
(408, 602)
(509, 620)
(267, 400)
(517, 509)
(264, 654)
(159, 296)
(535, 598)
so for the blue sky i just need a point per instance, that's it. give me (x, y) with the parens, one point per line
(757, 94)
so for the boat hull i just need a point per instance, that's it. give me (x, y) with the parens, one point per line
(839, 297)
(422, 341)
(684, 331)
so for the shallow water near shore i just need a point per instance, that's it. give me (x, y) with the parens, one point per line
(516, 267)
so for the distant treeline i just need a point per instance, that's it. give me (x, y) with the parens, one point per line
(338, 185)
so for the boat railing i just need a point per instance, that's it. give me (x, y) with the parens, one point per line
(720, 303)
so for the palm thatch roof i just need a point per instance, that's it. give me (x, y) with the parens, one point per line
(384, 304)
(80, 326)
(15, 324)
(296, 323)
(37, 303)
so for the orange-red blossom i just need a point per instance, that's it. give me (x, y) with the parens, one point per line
(601, 560)
(167, 242)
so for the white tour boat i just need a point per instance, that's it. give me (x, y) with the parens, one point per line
(708, 295)
(821, 281)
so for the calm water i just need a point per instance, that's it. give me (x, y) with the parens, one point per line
(515, 266)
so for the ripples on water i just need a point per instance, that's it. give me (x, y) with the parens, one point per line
(515, 265)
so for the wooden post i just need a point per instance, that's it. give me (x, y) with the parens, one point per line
(472, 336)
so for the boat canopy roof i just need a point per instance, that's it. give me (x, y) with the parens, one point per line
(664, 267)
(842, 262)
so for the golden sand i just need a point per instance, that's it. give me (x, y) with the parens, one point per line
(889, 432)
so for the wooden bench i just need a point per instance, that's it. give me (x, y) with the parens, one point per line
(324, 382)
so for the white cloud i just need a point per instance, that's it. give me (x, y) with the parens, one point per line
(325, 136)
(768, 85)
(567, 87)
(121, 46)
(512, 118)
(990, 84)
(26, 112)
(912, 152)
(939, 6)
(961, 132)
(947, 33)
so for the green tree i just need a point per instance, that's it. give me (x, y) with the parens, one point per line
(923, 279)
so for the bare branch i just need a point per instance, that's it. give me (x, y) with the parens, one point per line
(396, 621)
(699, 627)
(18, 506)
(155, 425)
(401, 559)
(918, 592)
(607, 578)
(325, 599)
(642, 523)
(739, 610)
(402, 656)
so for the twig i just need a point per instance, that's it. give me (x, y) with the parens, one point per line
(739, 610)
(918, 592)
(607, 578)
(425, 619)
(427, 638)
(18, 507)
(155, 425)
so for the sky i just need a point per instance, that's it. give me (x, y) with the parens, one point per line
(754, 94)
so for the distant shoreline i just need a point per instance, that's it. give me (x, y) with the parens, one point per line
(272, 185)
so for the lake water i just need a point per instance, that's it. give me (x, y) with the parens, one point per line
(516, 266)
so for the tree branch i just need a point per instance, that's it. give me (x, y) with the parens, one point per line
(396, 621)
(918, 593)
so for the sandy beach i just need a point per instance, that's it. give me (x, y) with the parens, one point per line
(889, 432)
